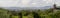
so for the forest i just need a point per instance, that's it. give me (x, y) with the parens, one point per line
(48, 13)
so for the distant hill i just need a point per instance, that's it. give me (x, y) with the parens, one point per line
(27, 8)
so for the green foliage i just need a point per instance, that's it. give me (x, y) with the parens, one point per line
(3, 13)
(15, 16)
(29, 13)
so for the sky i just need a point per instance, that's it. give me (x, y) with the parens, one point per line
(28, 3)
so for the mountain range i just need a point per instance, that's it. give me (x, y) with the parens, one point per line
(27, 8)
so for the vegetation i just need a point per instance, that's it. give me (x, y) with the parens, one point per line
(29, 14)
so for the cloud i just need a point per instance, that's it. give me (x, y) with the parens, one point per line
(57, 2)
(7, 3)
(27, 3)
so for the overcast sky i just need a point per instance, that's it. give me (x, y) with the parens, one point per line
(28, 3)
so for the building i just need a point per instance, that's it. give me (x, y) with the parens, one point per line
(55, 8)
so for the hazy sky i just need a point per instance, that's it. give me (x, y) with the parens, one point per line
(28, 3)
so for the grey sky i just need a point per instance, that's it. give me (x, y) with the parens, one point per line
(28, 3)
